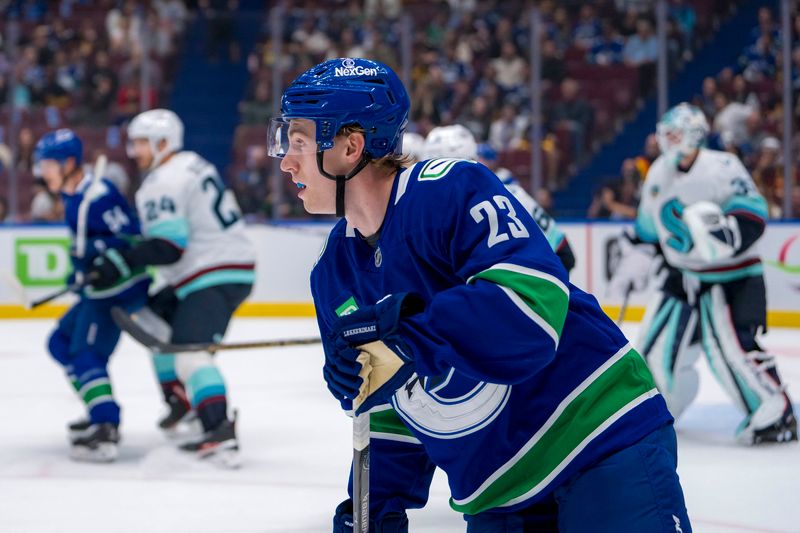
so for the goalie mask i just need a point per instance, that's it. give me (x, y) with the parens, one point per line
(682, 130)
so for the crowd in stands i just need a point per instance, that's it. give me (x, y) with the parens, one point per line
(471, 65)
(744, 107)
(79, 64)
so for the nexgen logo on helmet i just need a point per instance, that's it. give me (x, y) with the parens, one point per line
(349, 68)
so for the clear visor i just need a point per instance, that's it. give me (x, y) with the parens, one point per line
(291, 136)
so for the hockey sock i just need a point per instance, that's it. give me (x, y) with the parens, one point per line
(168, 379)
(98, 396)
(206, 391)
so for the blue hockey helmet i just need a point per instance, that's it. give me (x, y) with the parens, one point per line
(59, 145)
(486, 152)
(345, 92)
(342, 92)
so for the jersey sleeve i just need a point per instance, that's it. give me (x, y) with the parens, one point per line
(110, 214)
(510, 285)
(739, 197)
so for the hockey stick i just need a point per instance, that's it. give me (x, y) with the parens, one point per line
(624, 307)
(50, 297)
(129, 324)
(361, 473)
(22, 295)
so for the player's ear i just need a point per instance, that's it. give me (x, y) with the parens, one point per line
(354, 146)
(161, 145)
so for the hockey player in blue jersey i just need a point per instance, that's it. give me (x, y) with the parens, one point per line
(483, 359)
(86, 336)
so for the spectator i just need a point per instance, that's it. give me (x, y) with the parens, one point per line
(587, 30)
(651, 153)
(608, 49)
(349, 46)
(641, 51)
(766, 25)
(478, 118)
(768, 175)
(507, 130)
(133, 68)
(618, 201)
(574, 115)
(259, 109)
(706, 100)
(221, 29)
(758, 60)
(25, 147)
(51, 93)
(731, 119)
(312, 38)
(544, 198)
(553, 68)
(250, 185)
(129, 99)
(685, 17)
(509, 67)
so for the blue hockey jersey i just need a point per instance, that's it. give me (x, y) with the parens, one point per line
(110, 223)
(521, 379)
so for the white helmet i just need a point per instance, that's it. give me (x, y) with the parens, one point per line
(454, 141)
(413, 144)
(155, 125)
(680, 131)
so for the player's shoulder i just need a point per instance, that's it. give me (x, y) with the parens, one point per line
(190, 164)
(722, 159)
(434, 181)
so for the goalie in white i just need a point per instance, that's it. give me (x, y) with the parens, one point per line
(701, 211)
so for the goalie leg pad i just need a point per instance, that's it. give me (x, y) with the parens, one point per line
(744, 375)
(667, 344)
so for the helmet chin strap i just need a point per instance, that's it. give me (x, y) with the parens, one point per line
(340, 179)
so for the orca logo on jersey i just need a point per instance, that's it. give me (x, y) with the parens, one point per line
(349, 68)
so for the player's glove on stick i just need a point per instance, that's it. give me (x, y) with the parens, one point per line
(715, 235)
(369, 359)
(108, 269)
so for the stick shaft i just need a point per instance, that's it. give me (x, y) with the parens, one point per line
(361, 473)
(624, 307)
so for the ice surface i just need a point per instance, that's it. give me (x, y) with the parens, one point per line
(296, 449)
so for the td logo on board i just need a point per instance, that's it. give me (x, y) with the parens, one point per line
(42, 261)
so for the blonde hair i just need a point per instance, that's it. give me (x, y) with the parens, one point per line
(391, 161)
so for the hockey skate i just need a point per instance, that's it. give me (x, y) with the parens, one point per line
(218, 445)
(181, 422)
(773, 421)
(98, 445)
(79, 428)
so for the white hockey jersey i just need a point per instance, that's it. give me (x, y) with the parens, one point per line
(185, 202)
(717, 177)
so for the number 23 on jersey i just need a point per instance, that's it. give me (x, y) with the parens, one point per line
(488, 210)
